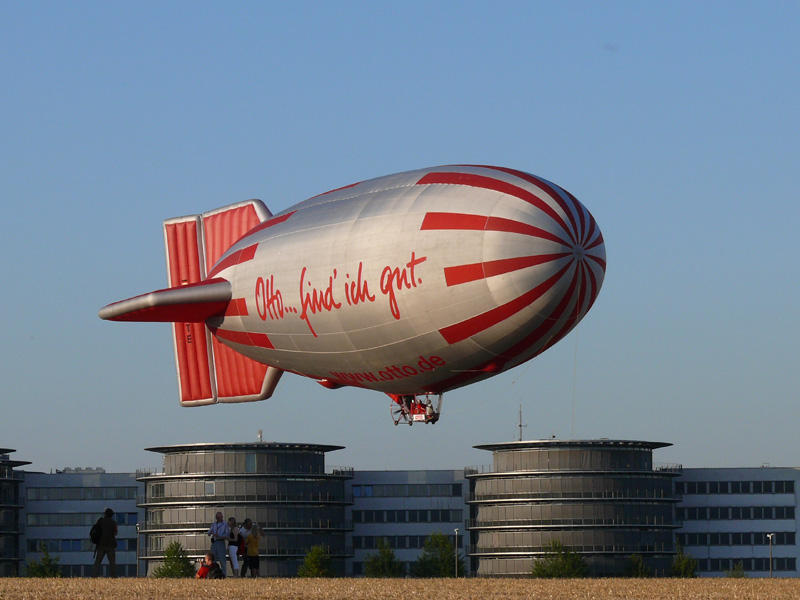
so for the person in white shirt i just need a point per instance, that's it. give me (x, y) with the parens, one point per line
(220, 534)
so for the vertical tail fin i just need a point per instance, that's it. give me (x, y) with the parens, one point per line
(209, 372)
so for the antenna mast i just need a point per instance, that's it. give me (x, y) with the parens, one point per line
(520, 422)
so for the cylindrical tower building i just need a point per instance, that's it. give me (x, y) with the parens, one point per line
(600, 498)
(285, 488)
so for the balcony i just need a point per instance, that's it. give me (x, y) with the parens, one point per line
(311, 498)
(269, 526)
(645, 521)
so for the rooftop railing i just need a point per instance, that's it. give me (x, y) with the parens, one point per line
(331, 470)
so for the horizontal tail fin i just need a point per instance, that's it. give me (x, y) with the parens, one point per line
(208, 372)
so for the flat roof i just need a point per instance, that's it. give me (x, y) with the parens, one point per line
(598, 443)
(299, 447)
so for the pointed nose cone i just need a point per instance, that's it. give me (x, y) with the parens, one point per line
(543, 265)
(570, 246)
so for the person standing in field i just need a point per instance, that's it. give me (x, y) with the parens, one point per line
(251, 541)
(233, 546)
(220, 533)
(107, 546)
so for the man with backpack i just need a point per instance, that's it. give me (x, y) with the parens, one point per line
(105, 532)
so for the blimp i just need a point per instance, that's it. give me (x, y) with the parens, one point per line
(412, 284)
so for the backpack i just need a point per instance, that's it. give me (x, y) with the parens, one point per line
(96, 531)
(215, 572)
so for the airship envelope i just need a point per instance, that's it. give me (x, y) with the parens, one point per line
(411, 284)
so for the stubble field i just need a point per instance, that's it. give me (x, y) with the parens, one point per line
(400, 589)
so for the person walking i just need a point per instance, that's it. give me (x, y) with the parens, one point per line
(220, 533)
(107, 546)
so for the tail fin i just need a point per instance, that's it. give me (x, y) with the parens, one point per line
(209, 372)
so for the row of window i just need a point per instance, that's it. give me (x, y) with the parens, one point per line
(82, 493)
(77, 519)
(407, 516)
(707, 565)
(733, 513)
(408, 490)
(734, 487)
(35, 545)
(574, 459)
(265, 516)
(400, 542)
(265, 490)
(232, 461)
(747, 538)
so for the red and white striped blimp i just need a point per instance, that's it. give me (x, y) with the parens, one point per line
(410, 284)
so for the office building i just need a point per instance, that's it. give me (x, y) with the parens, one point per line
(739, 517)
(61, 507)
(404, 508)
(285, 488)
(10, 507)
(603, 499)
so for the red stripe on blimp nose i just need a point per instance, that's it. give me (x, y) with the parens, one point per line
(464, 222)
(550, 189)
(237, 308)
(474, 325)
(497, 185)
(236, 258)
(465, 273)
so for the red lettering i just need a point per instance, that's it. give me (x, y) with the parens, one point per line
(316, 300)
(400, 278)
(269, 301)
(357, 291)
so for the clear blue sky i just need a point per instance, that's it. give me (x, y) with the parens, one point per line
(675, 123)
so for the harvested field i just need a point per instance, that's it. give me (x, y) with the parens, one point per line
(400, 589)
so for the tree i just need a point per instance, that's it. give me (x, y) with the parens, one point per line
(438, 558)
(317, 563)
(559, 562)
(46, 566)
(383, 563)
(683, 565)
(176, 562)
(636, 567)
(737, 572)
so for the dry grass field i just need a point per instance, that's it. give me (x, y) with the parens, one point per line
(400, 589)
